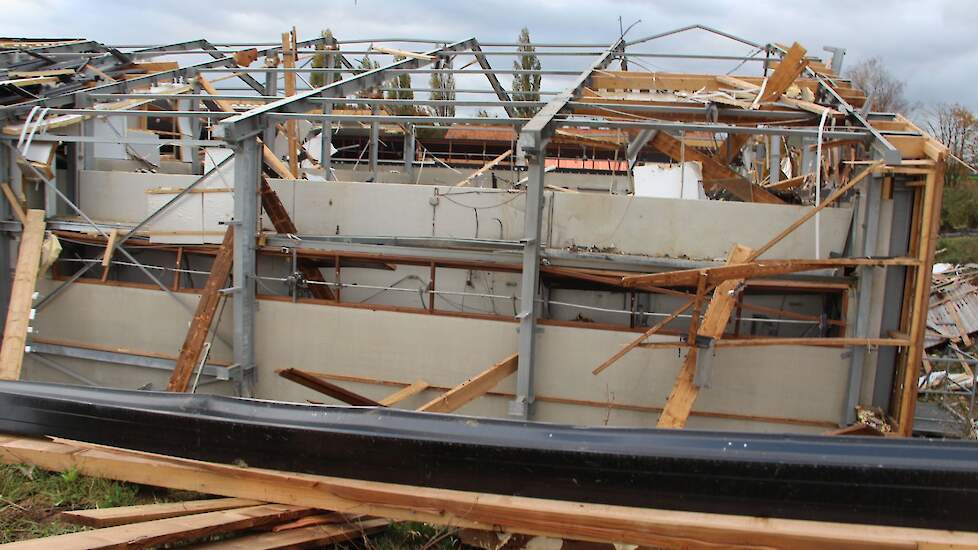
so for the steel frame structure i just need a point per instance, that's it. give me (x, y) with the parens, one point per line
(241, 133)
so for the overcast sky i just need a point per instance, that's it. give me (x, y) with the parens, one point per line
(928, 43)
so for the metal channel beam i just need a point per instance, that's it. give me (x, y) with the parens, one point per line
(480, 56)
(252, 122)
(130, 359)
(533, 139)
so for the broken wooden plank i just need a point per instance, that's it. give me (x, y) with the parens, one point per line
(122, 515)
(684, 391)
(591, 522)
(714, 171)
(22, 296)
(402, 53)
(756, 269)
(315, 536)
(488, 166)
(788, 70)
(14, 201)
(110, 247)
(638, 341)
(170, 530)
(313, 382)
(473, 388)
(200, 325)
(789, 183)
(404, 393)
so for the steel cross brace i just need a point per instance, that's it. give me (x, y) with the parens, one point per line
(118, 245)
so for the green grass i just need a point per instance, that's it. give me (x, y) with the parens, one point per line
(31, 499)
(399, 536)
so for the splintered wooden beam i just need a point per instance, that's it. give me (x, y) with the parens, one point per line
(756, 269)
(473, 388)
(789, 69)
(200, 326)
(488, 166)
(157, 533)
(714, 171)
(684, 392)
(638, 341)
(15, 205)
(533, 516)
(313, 382)
(22, 296)
(315, 536)
(122, 515)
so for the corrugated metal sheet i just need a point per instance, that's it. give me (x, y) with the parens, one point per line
(953, 308)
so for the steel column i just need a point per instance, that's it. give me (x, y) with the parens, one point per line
(521, 405)
(374, 144)
(326, 143)
(864, 295)
(6, 278)
(246, 170)
(409, 146)
(195, 160)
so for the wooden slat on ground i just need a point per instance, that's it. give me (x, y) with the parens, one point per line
(307, 537)
(685, 391)
(122, 515)
(170, 530)
(200, 326)
(561, 519)
(22, 296)
(472, 388)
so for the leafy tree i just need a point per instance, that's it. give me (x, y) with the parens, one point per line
(402, 90)
(320, 61)
(443, 87)
(956, 127)
(885, 90)
(526, 86)
(367, 64)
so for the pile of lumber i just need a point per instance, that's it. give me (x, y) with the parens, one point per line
(277, 509)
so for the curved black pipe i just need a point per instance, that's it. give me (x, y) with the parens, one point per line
(919, 483)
